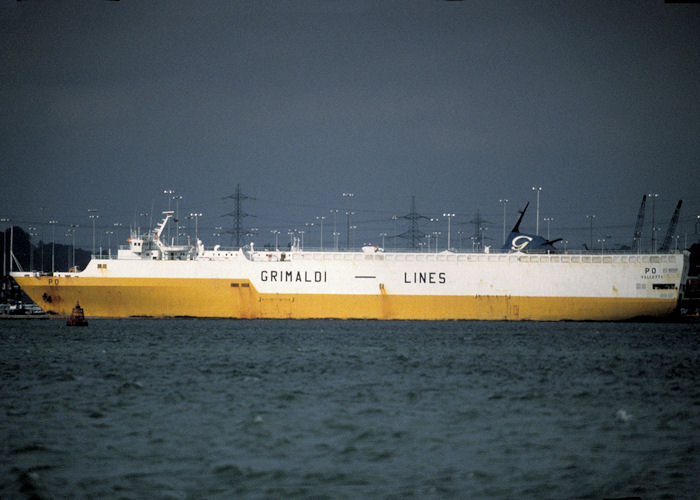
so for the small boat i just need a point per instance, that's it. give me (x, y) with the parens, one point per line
(77, 317)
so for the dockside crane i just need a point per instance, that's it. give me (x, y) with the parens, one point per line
(671, 228)
(637, 238)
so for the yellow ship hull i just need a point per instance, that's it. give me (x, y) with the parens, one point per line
(226, 298)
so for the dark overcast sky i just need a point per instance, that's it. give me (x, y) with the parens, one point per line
(106, 104)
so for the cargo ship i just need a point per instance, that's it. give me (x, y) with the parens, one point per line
(153, 278)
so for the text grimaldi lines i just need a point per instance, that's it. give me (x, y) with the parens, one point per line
(422, 277)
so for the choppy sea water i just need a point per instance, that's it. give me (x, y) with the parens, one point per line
(349, 409)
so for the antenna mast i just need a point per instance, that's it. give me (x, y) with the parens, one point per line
(238, 214)
(479, 229)
(413, 235)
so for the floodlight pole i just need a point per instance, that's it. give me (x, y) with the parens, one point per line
(504, 202)
(537, 189)
(53, 243)
(449, 220)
